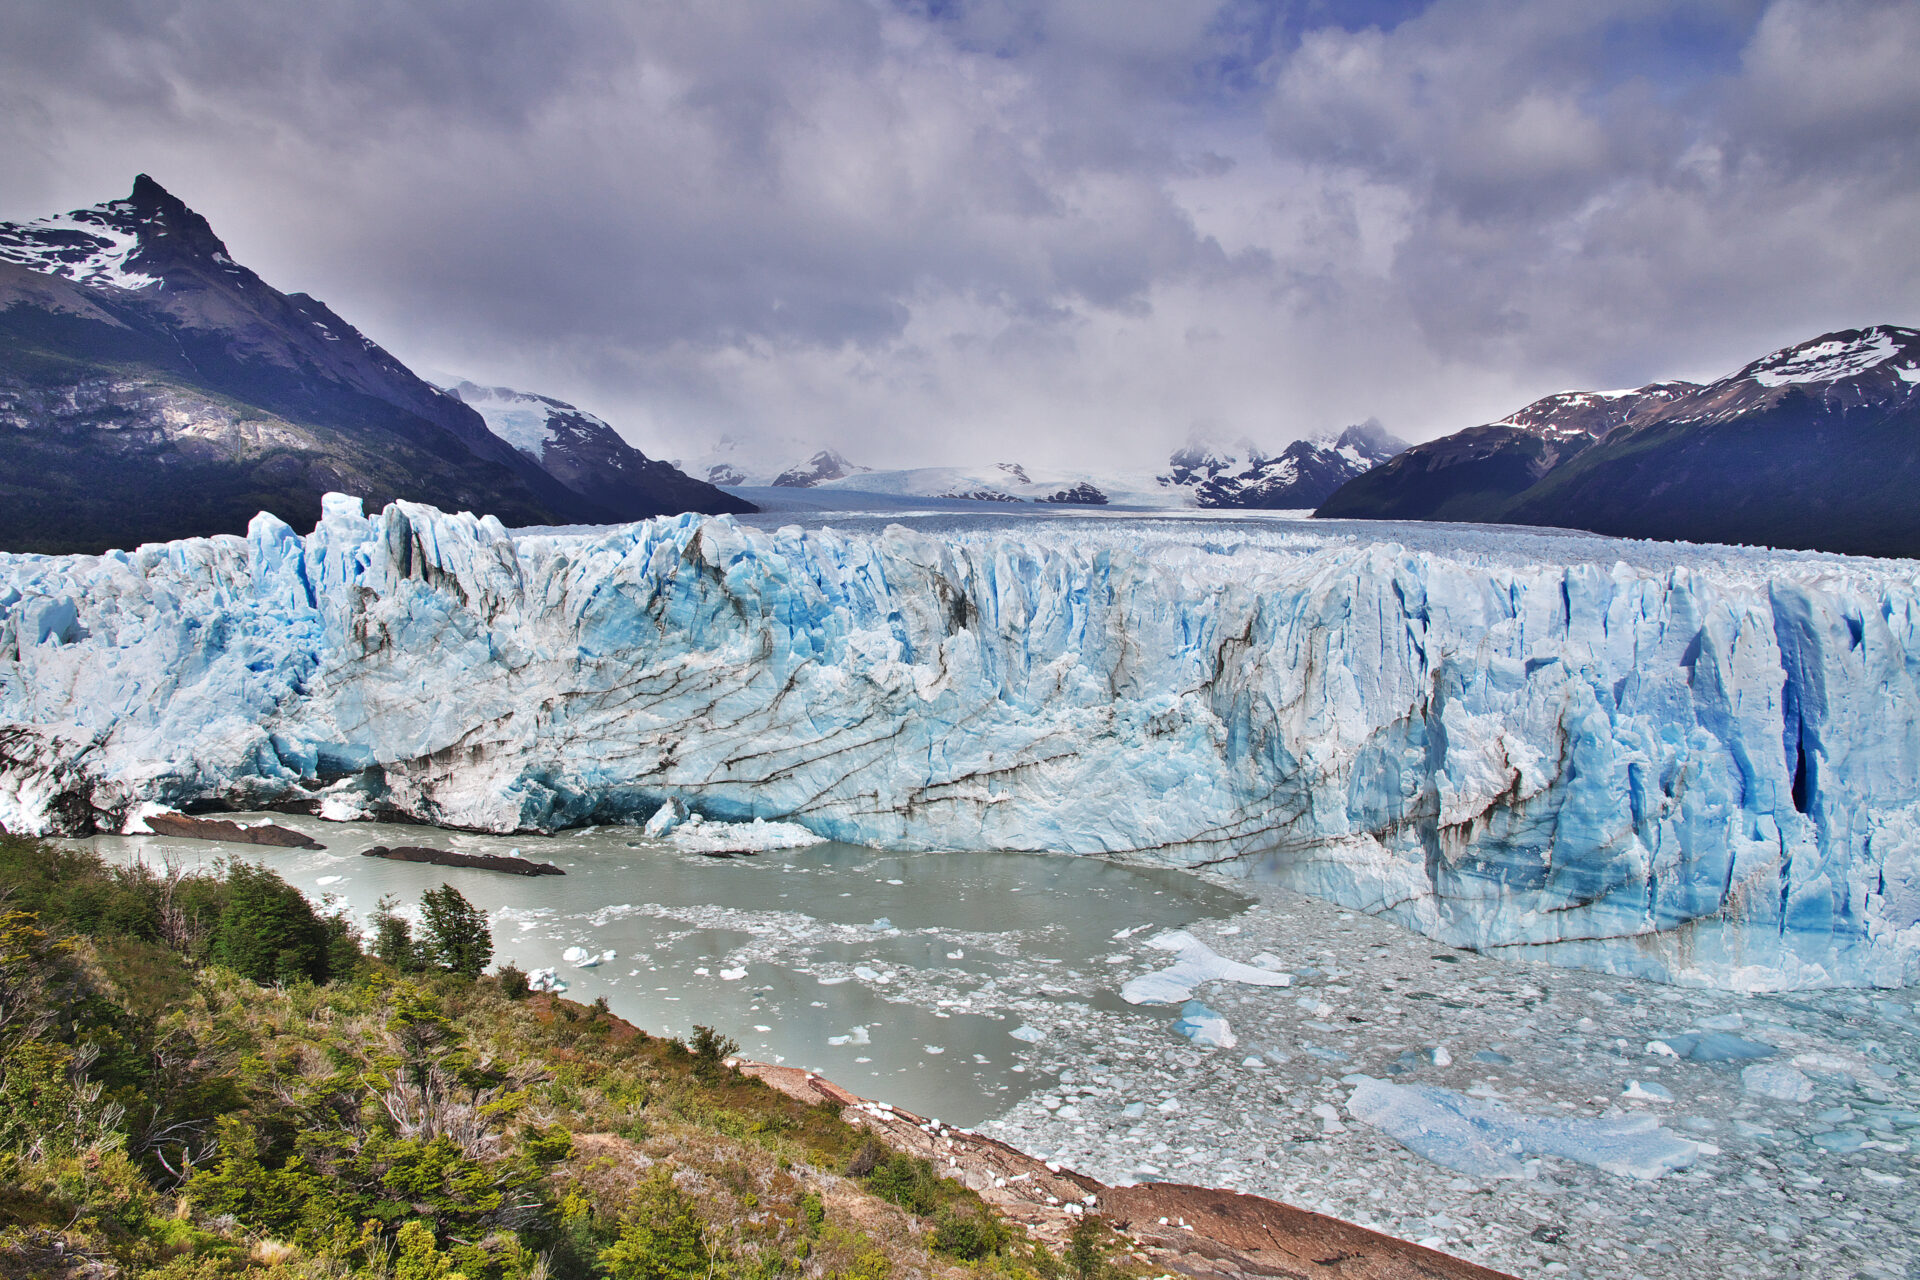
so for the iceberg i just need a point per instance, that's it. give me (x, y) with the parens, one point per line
(1486, 1140)
(1694, 764)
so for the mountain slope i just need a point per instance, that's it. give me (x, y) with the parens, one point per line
(155, 389)
(1815, 446)
(591, 458)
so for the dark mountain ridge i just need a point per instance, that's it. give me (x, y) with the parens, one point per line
(152, 388)
(1815, 446)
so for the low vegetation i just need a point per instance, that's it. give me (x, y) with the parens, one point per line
(203, 1076)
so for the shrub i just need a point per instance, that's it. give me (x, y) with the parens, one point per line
(660, 1236)
(967, 1236)
(393, 937)
(908, 1182)
(513, 982)
(1087, 1248)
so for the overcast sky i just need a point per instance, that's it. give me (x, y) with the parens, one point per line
(960, 230)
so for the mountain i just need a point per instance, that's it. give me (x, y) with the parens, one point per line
(828, 464)
(1304, 474)
(1814, 446)
(153, 388)
(591, 458)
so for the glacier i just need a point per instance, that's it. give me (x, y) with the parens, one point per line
(1700, 765)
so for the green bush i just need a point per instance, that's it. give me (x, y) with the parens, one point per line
(268, 931)
(710, 1051)
(967, 1236)
(908, 1182)
(660, 1236)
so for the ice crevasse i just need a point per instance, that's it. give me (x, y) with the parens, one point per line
(1704, 769)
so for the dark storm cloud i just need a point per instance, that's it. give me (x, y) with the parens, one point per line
(927, 228)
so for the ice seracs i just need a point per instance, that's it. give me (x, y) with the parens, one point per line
(1688, 764)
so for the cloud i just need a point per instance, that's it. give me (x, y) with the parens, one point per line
(927, 230)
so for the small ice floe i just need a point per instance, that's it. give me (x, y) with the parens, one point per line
(881, 925)
(761, 1027)
(326, 880)
(1203, 1026)
(1486, 1140)
(1778, 1081)
(1647, 1091)
(957, 955)
(1711, 1046)
(1134, 1110)
(581, 958)
(1030, 1034)
(546, 980)
(697, 835)
(733, 975)
(934, 1048)
(665, 819)
(855, 1035)
(343, 808)
(1329, 1118)
(1195, 962)
(1253, 1060)
(1440, 1056)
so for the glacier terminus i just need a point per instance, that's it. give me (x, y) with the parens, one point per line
(1700, 765)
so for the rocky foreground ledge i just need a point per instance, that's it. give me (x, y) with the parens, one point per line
(1194, 1231)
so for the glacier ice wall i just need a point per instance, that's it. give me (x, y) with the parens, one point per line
(1703, 767)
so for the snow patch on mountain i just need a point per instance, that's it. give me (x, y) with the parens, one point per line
(1827, 361)
(522, 419)
(88, 246)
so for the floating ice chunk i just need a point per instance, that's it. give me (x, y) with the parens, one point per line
(1196, 963)
(866, 973)
(733, 975)
(1253, 1060)
(327, 880)
(1134, 1110)
(1203, 1026)
(881, 925)
(1777, 1080)
(546, 980)
(580, 957)
(1268, 960)
(1486, 1140)
(665, 819)
(1031, 1034)
(343, 808)
(957, 955)
(1440, 1056)
(855, 1035)
(758, 836)
(1839, 1141)
(1329, 1118)
(934, 1048)
(1714, 1046)
(1647, 1091)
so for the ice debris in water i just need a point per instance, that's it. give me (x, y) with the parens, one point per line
(696, 835)
(1031, 1034)
(1195, 963)
(581, 958)
(546, 980)
(1776, 1080)
(668, 816)
(1486, 1140)
(856, 1035)
(1204, 1026)
(1647, 1091)
(1711, 1046)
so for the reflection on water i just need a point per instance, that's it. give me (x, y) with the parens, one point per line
(899, 974)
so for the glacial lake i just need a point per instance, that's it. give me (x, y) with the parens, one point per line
(903, 976)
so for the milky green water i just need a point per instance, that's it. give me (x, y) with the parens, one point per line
(900, 975)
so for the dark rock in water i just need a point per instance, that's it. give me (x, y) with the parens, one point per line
(448, 858)
(179, 824)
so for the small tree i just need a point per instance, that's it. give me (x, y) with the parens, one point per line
(393, 936)
(1087, 1248)
(710, 1051)
(268, 931)
(457, 937)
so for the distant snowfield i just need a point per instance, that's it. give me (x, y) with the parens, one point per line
(1691, 763)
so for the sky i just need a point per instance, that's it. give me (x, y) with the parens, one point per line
(1058, 232)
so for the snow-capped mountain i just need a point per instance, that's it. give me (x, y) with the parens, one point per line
(767, 463)
(1302, 475)
(828, 464)
(587, 455)
(1007, 482)
(152, 388)
(1813, 445)
(1588, 733)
